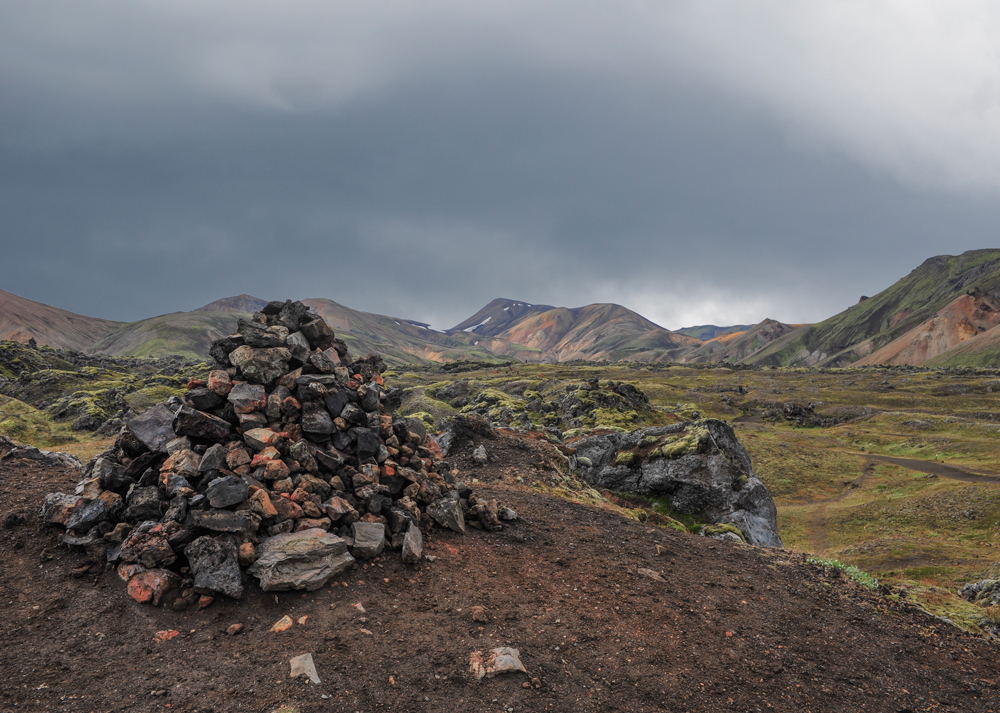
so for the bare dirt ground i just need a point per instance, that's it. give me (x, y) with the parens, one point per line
(601, 621)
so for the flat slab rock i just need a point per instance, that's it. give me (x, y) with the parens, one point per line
(300, 560)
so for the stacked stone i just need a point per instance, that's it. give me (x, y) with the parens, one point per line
(285, 464)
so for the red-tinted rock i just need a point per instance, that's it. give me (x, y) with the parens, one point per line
(287, 510)
(246, 398)
(219, 382)
(150, 586)
(260, 438)
(148, 544)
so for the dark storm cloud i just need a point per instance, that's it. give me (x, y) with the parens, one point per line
(421, 161)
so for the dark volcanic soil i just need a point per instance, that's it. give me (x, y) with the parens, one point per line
(729, 628)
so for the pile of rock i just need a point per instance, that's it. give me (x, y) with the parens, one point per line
(284, 464)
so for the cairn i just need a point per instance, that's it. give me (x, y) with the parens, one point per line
(284, 465)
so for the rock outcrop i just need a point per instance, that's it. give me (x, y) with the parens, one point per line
(700, 466)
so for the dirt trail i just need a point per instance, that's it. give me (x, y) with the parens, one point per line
(817, 523)
(938, 468)
(721, 626)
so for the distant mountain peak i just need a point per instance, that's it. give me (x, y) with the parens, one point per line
(497, 315)
(241, 304)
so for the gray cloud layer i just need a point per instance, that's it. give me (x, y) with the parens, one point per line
(700, 162)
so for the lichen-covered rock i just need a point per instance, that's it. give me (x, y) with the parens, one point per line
(700, 466)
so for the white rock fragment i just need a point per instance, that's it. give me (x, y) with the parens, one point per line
(303, 666)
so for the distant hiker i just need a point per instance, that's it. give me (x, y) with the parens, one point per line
(741, 388)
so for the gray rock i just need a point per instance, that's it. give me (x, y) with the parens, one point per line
(247, 397)
(298, 345)
(447, 512)
(325, 361)
(985, 592)
(188, 422)
(54, 459)
(177, 510)
(372, 398)
(227, 492)
(354, 415)
(369, 539)
(242, 522)
(479, 455)
(413, 545)
(154, 428)
(258, 335)
(178, 485)
(111, 475)
(701, 466)
(318, 332)
(148, 544)
(143, 504)
(214, 459)
(86, 515)
(215, 565)
(202, 399)
(261, 366)
(497, 661)
(300, 560)
(368, 444)
(316, 419)
(182, 443)
(336, 402)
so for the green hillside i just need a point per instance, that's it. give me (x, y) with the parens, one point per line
(873, 323)
(185, 334)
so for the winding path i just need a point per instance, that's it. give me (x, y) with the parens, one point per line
(816, 524)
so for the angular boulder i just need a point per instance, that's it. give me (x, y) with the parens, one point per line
(247, 397)
(699, 465)
(189, 422)
(447, 512)
(261, 366)
(300, 560)
(227, 492)
(154, 428)
(215, 565)
(369, 539)
(413, 545)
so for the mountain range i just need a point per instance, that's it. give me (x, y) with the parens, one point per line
(946, 312)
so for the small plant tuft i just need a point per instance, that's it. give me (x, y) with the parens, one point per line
(862, 578)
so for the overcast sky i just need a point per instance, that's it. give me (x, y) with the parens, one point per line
(699, 162)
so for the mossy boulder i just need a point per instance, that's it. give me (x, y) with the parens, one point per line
(700, 466)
